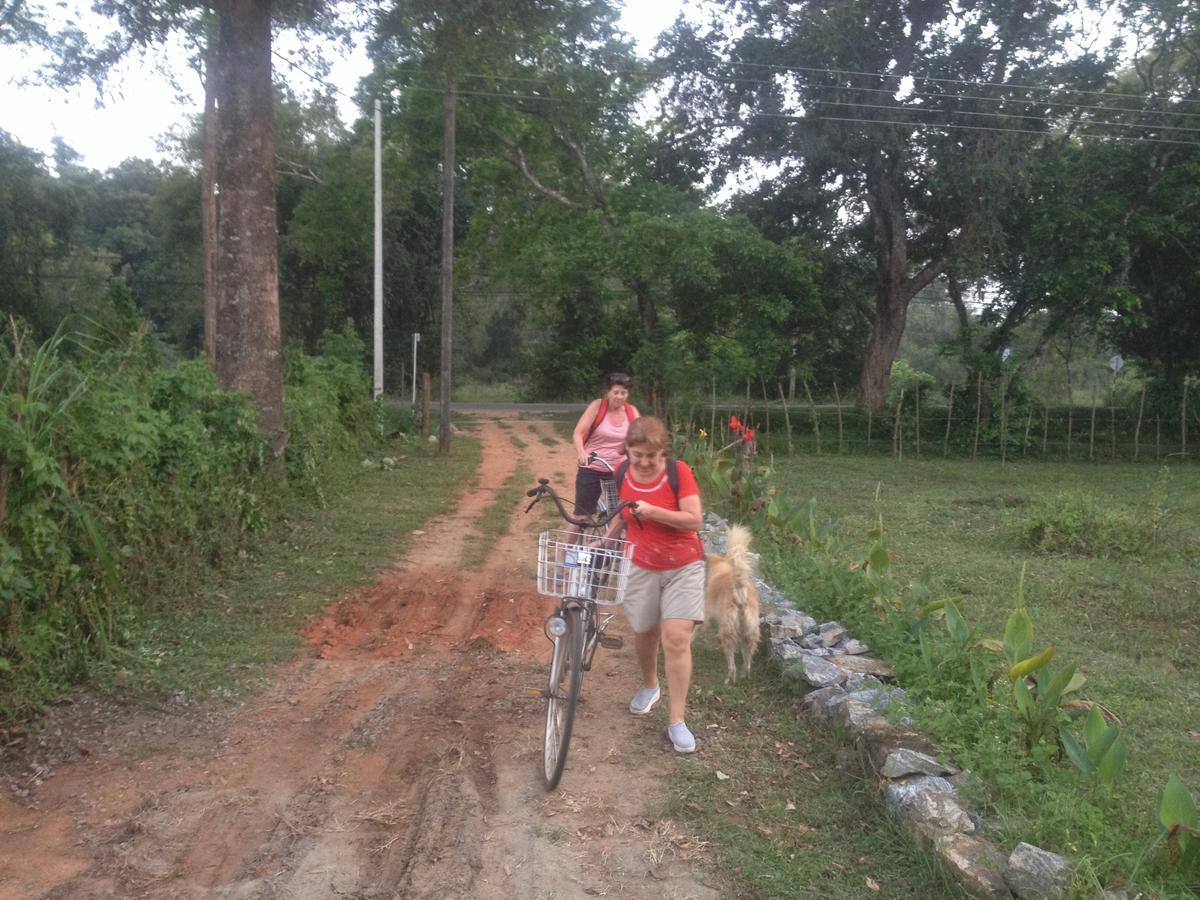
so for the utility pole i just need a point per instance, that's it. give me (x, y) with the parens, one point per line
(448, 110)
(416, 340)
(378, 354)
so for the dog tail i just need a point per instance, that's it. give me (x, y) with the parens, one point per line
(737, 551)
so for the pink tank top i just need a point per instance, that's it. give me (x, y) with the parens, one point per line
(608, 441)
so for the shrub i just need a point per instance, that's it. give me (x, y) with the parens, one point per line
(1075, 523)
(123, 481)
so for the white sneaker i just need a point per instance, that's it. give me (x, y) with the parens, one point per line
(643, 701)
(682, 738)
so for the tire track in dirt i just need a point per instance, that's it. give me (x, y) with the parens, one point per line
(398, 758)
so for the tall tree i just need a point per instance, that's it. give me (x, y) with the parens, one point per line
(908, 123)
(247, 339)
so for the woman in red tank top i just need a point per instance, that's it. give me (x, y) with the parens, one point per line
(664, 592)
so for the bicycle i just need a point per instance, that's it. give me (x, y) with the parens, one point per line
(581, 576)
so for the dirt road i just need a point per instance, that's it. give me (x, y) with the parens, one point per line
(398, 756)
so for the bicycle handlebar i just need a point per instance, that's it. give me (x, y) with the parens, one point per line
(596, 457)
(596, 520)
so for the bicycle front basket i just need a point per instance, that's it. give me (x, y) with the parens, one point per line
(568, 566)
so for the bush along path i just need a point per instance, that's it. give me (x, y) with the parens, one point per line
(398, 754)
(854, 696)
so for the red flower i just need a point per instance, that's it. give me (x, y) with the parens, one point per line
(748, 435)
(735, 425)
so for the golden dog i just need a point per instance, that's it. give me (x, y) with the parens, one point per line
(731, 600)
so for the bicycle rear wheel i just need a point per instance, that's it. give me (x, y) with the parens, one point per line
(566, 678)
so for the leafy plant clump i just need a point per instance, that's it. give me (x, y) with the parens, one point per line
(123, 481)
(1075, 523)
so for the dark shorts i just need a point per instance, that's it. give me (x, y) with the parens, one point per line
(587, 490)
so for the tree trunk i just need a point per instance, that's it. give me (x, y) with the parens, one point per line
(891, 305)
(249, 356)
(208, 197)
(895, 288)
(449, 100)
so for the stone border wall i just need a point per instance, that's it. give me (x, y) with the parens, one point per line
(850, 692)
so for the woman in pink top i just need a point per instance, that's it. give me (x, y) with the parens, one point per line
(601, 430)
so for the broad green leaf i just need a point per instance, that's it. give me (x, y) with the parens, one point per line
(931, 608)
(1050, 686)
(1031, 664)
(1018, 635)
(1176, 806)
(956, 624)
(1077, 682)
(1113, 762)
(1076, 753)
(878, 560)
(1094, 728)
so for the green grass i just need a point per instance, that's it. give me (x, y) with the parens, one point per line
(1131, 621)
(496, 519)
(785, 821)
(220, 640)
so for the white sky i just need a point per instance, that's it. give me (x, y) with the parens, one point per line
(141, 105)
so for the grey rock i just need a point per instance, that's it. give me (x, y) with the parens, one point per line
(816, 671)
(903, 761)
(901, 792)
(823, 703)
(859, 682)
(832, 634)
(858, 716)
(881, 743)
(855, 647)
(932, 815)
(1036, 874)
(974, 864)
(864, 665)
(811, 641)
(787, 623)
(785, 650)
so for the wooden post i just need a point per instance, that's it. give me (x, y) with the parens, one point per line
(1070, 415)
(766, 402)
(917, 401)
(978, 411)
(787, 422)
(1112, 425)
(1137, 431)
(1157, 438)
(1092, 433)
(712, 422)
(897, 429)
(870, 420)
(426, 387)
(1025, 442)
(949, 419)
(837, 399)
(816, 420)
(746, 415)
(1183, 421)
(1045, 428)
(1003, 421)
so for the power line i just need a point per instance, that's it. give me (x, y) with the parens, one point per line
(968, 112)
(1110, 137)
(957, 126)
(939, 80)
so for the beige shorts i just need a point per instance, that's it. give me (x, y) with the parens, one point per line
(651, 596)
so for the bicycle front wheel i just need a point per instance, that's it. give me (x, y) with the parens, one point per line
(566, 678)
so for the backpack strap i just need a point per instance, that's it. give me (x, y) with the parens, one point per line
(631, 413)
(672, 475)
(599, 418)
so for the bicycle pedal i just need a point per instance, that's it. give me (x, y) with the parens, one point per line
(535, 692)
(612, 643)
